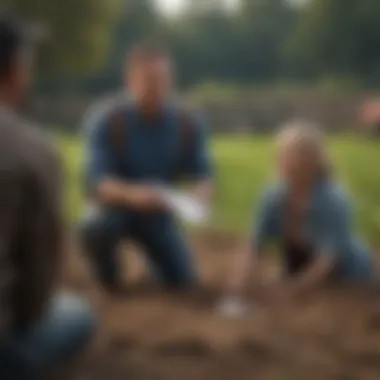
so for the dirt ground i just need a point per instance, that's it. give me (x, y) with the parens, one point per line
(149, 335)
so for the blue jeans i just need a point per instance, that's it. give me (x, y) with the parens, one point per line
(64, 331)
(157, 233)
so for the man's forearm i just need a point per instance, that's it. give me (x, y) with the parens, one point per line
(115, 192)
(119, 193)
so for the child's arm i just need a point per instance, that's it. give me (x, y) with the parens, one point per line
(246, 269)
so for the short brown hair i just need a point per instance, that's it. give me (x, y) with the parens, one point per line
(146, 51)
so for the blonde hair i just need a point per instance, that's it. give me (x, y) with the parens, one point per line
(305, 135)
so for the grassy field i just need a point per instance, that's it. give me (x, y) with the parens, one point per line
(245, 164)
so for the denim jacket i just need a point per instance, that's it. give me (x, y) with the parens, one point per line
(328, 226)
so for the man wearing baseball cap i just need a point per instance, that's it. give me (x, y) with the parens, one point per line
(38, 328)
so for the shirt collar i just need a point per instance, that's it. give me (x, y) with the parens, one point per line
(158, 119)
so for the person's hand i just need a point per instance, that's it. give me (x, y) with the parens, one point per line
(146, 198)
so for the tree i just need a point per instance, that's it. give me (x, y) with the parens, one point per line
(339, 38)
(203, 44)
(137, 20)
(263, 28)
(79, 30)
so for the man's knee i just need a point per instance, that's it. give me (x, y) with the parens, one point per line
(100, 233)
(75, 322)
(181, 269)
(174, 258)
(65, 332)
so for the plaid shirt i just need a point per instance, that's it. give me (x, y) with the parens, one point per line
(30, 230)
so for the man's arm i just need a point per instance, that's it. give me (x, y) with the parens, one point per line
(13, 197)
(103, 181)
(116, 192)
(41, 239)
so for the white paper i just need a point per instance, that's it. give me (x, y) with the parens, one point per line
(186, 207)
(92, 211)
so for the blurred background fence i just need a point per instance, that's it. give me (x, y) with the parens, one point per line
(248, 114)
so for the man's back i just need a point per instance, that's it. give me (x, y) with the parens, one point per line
(38, 328)
(29, 221)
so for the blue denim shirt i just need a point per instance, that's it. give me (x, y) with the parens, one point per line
(328, 226)
(152, 148)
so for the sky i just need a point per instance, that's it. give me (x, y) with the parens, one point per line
(173, 6)
(170, 6)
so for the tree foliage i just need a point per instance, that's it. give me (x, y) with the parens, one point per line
(260, 42)
(339, 37)
(78, 29)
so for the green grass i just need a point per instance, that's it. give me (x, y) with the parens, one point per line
(244, 165)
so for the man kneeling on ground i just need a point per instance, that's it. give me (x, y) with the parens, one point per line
(135, 145)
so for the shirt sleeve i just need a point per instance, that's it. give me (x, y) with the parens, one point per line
(99, 160)
(337, 231)
(12, 199)
(40, 241)
(198, 163)
(263, 220)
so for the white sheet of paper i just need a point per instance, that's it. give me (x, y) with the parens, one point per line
(186, 207)
(92, 210)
